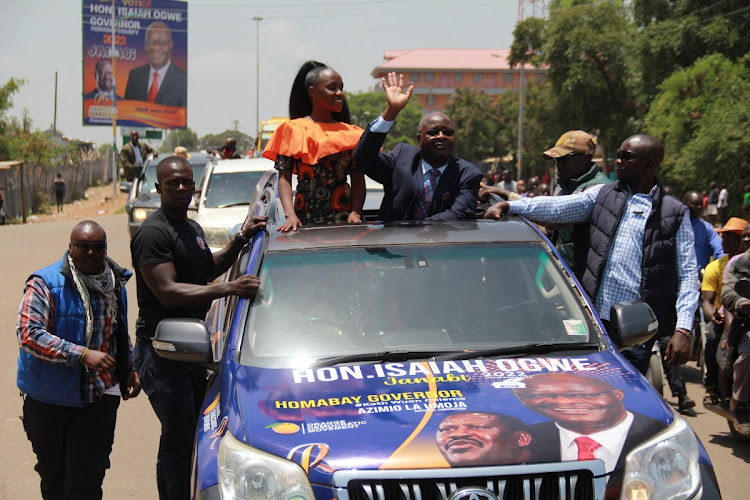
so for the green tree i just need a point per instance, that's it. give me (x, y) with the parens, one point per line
(676, 33)
(364, 107)
(701, 114)
(180, 137)
(6, 102)
(215, 141)
(592, 74)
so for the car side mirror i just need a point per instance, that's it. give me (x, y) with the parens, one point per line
(184, 339)
(125, 186)
(632, 323)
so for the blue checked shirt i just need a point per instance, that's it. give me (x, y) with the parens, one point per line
(621, 279)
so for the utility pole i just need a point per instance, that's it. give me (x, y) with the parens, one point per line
(257, 19)
(526, 8)
(54, 117)
(113, 55)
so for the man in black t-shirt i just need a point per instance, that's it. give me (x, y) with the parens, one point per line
(173, 267)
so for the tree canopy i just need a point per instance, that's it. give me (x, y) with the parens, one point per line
(215, 141)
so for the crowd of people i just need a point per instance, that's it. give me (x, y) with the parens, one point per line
(625, 240)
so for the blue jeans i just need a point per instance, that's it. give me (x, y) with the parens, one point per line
(175, 391)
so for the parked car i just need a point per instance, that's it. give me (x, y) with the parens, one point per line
(143, 200)
(225, 195)
(425, 360)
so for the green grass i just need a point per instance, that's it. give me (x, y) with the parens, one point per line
(120, 210)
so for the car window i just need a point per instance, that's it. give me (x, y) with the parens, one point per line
(317, 304)
(231, 188)
(147, 185)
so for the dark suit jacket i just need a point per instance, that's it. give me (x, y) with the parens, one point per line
(400, 173)
(93, 93)
(545, 439)
(173, 90)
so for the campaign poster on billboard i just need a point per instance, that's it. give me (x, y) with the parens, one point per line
(147, 77)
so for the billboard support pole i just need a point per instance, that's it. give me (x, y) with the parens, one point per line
(113, 55)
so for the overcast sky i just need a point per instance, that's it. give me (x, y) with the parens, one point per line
(40, 37)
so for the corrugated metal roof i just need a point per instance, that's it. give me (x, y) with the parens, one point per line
(441, 59)
(5, 165)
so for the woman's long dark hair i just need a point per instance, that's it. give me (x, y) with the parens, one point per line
(300, 104)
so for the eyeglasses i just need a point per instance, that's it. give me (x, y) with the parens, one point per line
(582, 396)
(563, 159)
(629, 155)
(433, 132)
(176, 183)
(89, 247)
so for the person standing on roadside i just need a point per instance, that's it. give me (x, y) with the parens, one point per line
(712, 213)
(707, 240)
(723, 204)
(74, 364)
(713, 280)
(59, 185)
(134, 153)
(576, 172)
(173, 267)
(641, 245)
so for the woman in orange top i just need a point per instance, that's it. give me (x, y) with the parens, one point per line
(317, 145)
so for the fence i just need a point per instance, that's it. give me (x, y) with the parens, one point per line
(89, 170)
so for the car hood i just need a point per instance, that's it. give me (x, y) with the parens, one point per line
(147, 200)
(386, 415)
(221, 217)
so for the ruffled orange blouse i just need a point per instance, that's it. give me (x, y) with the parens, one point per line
(310, 141)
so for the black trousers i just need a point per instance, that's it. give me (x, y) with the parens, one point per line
(673, 373)
(72, 446)
(713, 335)
(175, 391)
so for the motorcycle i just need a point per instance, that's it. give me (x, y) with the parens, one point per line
(738, 431)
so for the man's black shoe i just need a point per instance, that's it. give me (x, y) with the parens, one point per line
(685, 403)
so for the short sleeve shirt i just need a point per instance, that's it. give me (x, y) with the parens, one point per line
(182, 242)
(713, 278)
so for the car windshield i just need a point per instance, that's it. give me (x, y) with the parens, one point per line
(318, 304)
(231, 188)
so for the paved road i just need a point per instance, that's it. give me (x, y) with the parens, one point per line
(24, 249)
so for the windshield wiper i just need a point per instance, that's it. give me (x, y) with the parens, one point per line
(398, 355)
(233, 204)
(544, 348)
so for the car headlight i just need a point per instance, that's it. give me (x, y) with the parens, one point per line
(216, 237)
(665, 466)
(140, 214)
(248, 473)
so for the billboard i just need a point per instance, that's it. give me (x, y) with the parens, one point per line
(147, 77)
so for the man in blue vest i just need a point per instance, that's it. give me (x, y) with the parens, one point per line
(641, 245)
(75, 363)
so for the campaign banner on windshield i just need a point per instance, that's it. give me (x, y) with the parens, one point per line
(146, 80)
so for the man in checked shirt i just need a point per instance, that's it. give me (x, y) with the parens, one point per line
(75, 363)
(641, 245)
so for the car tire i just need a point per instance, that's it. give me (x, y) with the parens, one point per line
(655, 374)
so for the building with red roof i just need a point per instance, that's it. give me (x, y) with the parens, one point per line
(437, 73)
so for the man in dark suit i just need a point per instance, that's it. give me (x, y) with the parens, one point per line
(589, 420)
(160, 81)
(104, 82)
(424, 183)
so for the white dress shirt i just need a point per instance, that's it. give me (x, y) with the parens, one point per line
(611, 441)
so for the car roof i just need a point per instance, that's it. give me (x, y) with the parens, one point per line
(507, 230)
(242, 165)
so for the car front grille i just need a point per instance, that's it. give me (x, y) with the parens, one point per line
(568, 481)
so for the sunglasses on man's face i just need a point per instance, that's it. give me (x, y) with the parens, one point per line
(563, 159)
(84, 247)
(629, 155)
(434, 132)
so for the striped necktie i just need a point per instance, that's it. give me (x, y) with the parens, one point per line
(428, 192)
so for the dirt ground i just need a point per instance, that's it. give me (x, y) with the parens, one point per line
(98, 201)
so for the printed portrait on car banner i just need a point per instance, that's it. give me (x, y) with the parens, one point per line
(147, 78)
(433, 414)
